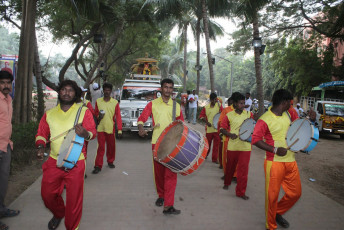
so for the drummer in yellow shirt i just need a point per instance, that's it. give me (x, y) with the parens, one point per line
(106, 128)
(161, 110)
(54, 122)
(238, 151)
(207, 114)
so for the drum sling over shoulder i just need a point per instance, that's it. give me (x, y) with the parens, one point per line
(71, 147)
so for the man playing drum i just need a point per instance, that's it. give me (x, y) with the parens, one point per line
(238, 151)
(54, 122)
(161, 111)
(280, 166)
(106, 128)
(207, 114)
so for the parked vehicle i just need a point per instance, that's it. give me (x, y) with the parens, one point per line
(142, 87)
(327, 100)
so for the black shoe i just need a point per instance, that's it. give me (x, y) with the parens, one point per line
(96, 170)
(159, 202)
(225, 187)
(220, 167)
(111, 165)
(234, 179)
(54, 223)
(171, 210)
(223, 178)
(85, 176)
(281, 221)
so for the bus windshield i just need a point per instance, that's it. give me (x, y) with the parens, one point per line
(334, 110)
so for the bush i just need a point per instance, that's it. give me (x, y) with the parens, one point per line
(23, 137)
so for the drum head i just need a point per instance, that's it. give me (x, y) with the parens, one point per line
(170, 140)
(216, 120)
(302, 130)
(65, 147)
(246, 129)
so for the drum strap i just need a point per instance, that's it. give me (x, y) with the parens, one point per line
(174, 110)
(78, 115)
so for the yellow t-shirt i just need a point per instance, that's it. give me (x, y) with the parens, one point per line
(210, 113)
(235, 121)
(161, 113)
(109, 107)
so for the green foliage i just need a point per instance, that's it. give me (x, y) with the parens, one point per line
(298, 67)
(23, 137)
(9, 42)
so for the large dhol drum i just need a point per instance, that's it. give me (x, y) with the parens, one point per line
(216, 120)
(181, 148)
(302, 135)
(246, 129)
(70, 150)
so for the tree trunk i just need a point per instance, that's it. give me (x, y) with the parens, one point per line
(207, 41)
(38, 75)
(185, 55)
(198, 37)
(23, 85)
(258, 67)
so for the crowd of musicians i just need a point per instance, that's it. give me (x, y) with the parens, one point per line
(100, 118)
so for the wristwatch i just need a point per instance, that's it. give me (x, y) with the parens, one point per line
(40, 146)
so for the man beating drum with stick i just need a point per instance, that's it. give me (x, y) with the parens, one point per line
(280, 166)
(161, 111)
(54, 122)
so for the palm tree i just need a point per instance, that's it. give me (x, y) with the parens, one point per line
(249, 10)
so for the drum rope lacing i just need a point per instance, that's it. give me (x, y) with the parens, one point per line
(181, 164)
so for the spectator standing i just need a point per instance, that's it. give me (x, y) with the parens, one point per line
(248, 102)
(193, 104)
(6, 145)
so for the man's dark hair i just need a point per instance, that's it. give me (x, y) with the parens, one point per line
(107, 85)
(281, 95)
(6, 75)
(248, 93)
(213, 96)
(73, 84)
(167, 80)
(236, 96)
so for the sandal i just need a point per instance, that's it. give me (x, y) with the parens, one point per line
(3, 226)
(54, 223)
(10, 213)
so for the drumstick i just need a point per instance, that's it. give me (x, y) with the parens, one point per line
(297, 129)
(243, 132)
(297, 139)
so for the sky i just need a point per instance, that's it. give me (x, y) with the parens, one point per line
(48, 47)
(65, 49)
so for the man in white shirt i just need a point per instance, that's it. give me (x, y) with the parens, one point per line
(299, 110)
(248, 102)
(96, 93)
(193, 104)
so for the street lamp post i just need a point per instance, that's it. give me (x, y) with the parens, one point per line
(231, 83)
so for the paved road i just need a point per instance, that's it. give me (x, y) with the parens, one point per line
(123, 198)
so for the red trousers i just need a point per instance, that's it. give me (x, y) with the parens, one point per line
(277, 174)
(216, 137)
(109, 138)
(53, 182)
(238, 160)
(165, 182)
